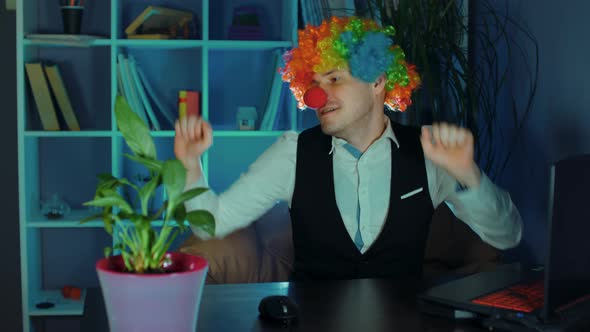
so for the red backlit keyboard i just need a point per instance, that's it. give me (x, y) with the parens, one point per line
(521, 297)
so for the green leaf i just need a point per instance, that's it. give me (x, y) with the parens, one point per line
(147, 191)
(202, 219)
(151, 164)
(106, 181)
(110, 198)
(108, 223)
(180, 216)
(135, 132)
(174, 175)
(185, 196)
(108, 251)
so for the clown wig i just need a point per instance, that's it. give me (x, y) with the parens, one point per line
(355, 44)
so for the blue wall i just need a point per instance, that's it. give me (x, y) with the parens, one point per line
(559, 122)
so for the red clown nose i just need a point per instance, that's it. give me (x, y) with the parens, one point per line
(315, 97)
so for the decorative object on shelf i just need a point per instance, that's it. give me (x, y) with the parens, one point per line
(246, 118)
(156, 22)
(55, 208)
(145, 286)
(246, 24)
(189, 103)
(72, 12)
(71, 292)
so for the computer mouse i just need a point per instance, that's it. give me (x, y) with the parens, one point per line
(278, 308)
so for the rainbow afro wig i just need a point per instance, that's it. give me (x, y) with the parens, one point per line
(355, 44)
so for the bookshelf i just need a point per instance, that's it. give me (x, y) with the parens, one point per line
(228, 73)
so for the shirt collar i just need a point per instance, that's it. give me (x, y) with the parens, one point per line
(387, 133)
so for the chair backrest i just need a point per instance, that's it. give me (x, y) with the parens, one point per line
(452, 246)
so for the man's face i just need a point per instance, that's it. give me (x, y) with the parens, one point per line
(349, 102)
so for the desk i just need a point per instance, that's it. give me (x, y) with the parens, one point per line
(366, 305)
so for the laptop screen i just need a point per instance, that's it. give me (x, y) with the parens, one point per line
(568, 258)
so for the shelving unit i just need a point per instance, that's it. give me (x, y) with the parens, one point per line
(228, 73)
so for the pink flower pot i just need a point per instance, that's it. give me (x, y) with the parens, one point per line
(153, 302)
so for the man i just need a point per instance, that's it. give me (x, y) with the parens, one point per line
(361, 188)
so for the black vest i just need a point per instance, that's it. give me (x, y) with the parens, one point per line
(323, 247)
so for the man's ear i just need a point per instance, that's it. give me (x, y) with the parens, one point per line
(379, 84)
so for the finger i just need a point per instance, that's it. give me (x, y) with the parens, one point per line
(461, 136)
(452, 136)
(435, 134)
(444, 134)
(426, 139)
(207, 131)
(177, 131)
(191, 125)
(197, 132)
(183, 128)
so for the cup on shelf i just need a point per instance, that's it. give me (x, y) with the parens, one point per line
(72, 19)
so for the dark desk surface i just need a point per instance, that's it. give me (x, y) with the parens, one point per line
(355, 305)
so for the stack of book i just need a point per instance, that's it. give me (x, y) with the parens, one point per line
(246, 24)
(156, 22)
(46, 81)
(139, 93)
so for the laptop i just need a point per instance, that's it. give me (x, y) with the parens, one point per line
(556, 294)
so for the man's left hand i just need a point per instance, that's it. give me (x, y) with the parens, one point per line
(451, 148)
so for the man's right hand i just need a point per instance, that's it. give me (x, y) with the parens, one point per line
(192, 138)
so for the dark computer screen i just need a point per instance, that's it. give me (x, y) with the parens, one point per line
(568, 259)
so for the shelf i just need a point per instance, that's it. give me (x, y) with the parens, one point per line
(72, 220)
(228, 73)
(63, 306)
(61, 40)
(64, 224)
(247, 133)
(246, 44)
(164, 43)
(64, 133)
(160, 43)
(220, 133)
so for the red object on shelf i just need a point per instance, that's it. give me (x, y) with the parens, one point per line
(315, 97)
(70, 292)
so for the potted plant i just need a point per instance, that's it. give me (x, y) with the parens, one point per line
(145, 286)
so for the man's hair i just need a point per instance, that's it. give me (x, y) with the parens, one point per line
(355, 44)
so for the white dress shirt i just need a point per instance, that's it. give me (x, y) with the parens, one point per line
(363, 183)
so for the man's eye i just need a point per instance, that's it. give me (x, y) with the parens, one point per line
(335, 79)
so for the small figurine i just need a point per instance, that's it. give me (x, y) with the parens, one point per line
(55, 208)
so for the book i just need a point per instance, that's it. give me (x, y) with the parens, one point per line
(129, 90)
(61, 96)
(272, 102)
(193, 103)
(42, 96)
(152, 93)
(156, 18)
(141, 92)
(189, 103)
